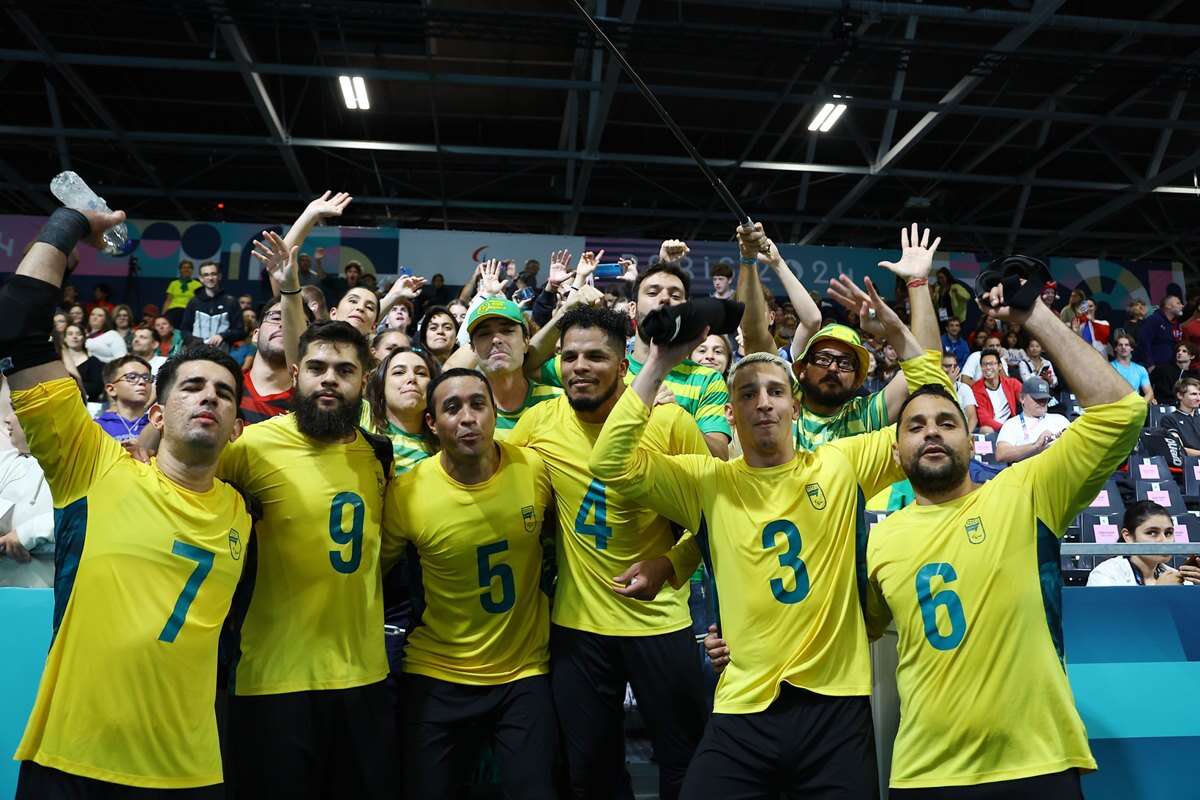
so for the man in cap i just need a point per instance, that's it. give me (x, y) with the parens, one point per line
(1031, 430)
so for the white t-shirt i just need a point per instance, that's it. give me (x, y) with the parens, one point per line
(971, 368)
(1000, 409)
(1023, 429)
(1118, 571)
(966, 397)
(156, 362)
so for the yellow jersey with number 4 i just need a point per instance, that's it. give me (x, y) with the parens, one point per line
(602, 531)
(975, 588)
(146, 574)
(485, 620)
(313, 616)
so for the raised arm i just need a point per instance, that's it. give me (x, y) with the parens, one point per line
(756, 332)
(279, 260)
(808, 314)
(324, 207)
(914, 266)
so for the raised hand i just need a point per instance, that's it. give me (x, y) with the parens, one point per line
(407, 287)
(672, 250)
(277, 260)
(631, 271)
(560, 269)
(916, 256)
(587, 265)
(329, 206)
(751, 240)
(875, 316)
(490, 284)
(99, 222)
(992, 304)
(583, 296)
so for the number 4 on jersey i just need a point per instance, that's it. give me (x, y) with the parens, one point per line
(594, 505)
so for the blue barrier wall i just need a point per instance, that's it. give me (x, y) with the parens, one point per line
(27, 615)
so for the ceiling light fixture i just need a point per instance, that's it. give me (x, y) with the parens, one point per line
(354, 92)
(828, 116)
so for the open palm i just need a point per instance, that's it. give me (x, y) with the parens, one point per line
(916, 254)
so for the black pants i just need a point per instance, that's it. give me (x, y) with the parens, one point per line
(803, 745)
(589, 672)
(328, 743)
(1057, 786)
(446, 724)
(36, 782)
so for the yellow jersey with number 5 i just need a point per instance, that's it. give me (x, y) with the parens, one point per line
(313, 617)
(146, 572)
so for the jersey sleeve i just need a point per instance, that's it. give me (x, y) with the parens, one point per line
(71, 448)
(925, 369)
(1066, 477)
(522, 433)
(393, 536)
(710, 408)
(551, 372)
(867, 413)
(671, 485)
(234, 464)
(870, 454)
(685, 555)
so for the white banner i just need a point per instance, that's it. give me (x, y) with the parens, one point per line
(455, 253)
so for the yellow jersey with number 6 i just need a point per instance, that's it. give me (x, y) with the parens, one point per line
(146, 572)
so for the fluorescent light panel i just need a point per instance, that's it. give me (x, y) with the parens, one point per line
(820, 117)
(354, 92)
(834, 116)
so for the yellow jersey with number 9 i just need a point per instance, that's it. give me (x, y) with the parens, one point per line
(146, 572)
(314, 618)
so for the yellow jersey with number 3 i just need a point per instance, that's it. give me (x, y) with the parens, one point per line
(486, 620)
(602, 531)
(974, 585)
(146, 574)
(314, 617)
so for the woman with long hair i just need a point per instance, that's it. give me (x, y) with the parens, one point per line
(396, 397)
(438, 333)
(122, 317)
(103, 340)
(90, 368)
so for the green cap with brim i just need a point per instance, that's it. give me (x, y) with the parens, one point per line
(845, 335)
(495, 307)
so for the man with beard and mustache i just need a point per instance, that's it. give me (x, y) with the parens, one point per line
(612, 550)
(833, 365)
(309, 712)
(475, 668)
(970, 574)
(783, 530)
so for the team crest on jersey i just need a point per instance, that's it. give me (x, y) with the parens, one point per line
(975, 532)
(529, 518)
(235, 544)
(815, 496)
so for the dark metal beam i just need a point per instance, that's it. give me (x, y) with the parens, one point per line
(60, 142)
(16, 181)
(1164, 138)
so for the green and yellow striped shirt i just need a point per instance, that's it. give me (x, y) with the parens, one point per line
(538, 393)
(408, 449)
(699, 390)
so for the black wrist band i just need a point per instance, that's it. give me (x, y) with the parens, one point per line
(293, 291)
(64, 229)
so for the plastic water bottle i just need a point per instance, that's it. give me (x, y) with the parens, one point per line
(73, 192)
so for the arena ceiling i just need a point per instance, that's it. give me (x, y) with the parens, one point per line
(1041, 126)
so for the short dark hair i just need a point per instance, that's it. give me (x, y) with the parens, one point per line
(609, 322)
(930, 390)
(375, 394)
(1183, 384)
(1123, 334)
(196, 352)
(989, 351)
(1168, 296)
(336, 332)
(112, 368)
(210, 264)
(266, 308)
(353, 265)
(149, 328)
(457, 372)
(668, 267)
(430, 313)
(721, 270)
(1141, 511)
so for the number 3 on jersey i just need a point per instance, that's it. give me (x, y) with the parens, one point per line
(789, 558)
(595, 505)
(946, 598)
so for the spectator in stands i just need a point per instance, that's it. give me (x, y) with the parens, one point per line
(970, 368)
(1160, 332)
(145, 347)
(722, 281)
(308, 275)
(1071, 310)
(387, 341)
(1145, 522)
(950, 298)
(127, 384)
(966, 397)
(123, 323)
(952, 342)
(268, 382)
(70, 297)
(213, 316)
(997, 397)
(336, 286)
(458, 309)
(1049, 294)
(90, 368)
(360, 308)
(1184, 418)
(314, 301)
(1163, 379)
(170, 341)
(179, 293)
(1135, 312)
(75, 313)
(27, 541)
(149, 312)
(434, 293)
(400, 316)
(369, 281)
(1190, 328)
(1033, 429)
(1095, 332)
(1014, 353)
(1132, 372)
(103, 341)
(438, 332)
(396, 397)
(1036, 365)
(243, 350)
(714, 352)
(60, 322)
(246, 302)
(101, 293)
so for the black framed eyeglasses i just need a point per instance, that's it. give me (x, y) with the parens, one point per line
(825, 360)
(134, 378)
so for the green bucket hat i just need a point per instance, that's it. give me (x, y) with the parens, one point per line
(845, 335)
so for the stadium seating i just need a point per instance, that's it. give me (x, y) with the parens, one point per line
(1149, 468)
(985, 447)
(1108, 501)
(1165, 492)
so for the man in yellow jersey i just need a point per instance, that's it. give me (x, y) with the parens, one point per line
(148, 556)
(970, 573)
(475, 665)
(499, 338)
(785, 534)
(309, 712)
(610, 545)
